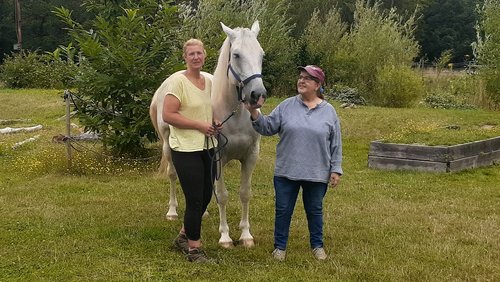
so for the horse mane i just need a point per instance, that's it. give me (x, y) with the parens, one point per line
(219, 81)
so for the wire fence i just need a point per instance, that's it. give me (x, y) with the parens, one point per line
(470, 67)
(79, 143)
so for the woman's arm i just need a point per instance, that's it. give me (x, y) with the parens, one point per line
(171, 115)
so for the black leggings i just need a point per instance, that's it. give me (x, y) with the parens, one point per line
(196, 172)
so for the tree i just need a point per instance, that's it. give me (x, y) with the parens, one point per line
(447, 25)
(41, 29)
(125, 59)
(321, 38)
(301, 11)
(7, 28)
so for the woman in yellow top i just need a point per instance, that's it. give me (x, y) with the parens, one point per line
(188, 111)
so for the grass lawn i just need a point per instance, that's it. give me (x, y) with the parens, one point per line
(105, 219)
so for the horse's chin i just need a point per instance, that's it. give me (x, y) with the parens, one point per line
(257, 103)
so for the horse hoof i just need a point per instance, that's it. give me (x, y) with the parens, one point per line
(248, 243)
(171, 217)
(226, 245)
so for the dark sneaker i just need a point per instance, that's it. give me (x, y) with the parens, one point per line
(197, 255)
(181, 243)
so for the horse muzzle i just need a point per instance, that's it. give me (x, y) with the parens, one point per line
(257, 99)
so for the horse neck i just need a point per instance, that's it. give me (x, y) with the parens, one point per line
(224, 96)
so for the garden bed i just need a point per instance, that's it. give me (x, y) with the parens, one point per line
(391, 156)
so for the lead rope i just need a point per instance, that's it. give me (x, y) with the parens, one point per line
(215, 159)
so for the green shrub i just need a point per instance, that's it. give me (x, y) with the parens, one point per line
(29, 69)
(397, 87)
(21, 70)
(125, 58)
(377, 40)
(442, 100)
(345, 94)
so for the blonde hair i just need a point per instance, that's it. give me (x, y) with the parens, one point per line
(193, 42)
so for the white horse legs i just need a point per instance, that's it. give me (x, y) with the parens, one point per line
(166, 166)
(172, 202)
(222, 198)
(246, 238)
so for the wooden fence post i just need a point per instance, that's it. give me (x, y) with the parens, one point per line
(68, 127)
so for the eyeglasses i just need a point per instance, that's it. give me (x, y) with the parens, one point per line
(307, 78)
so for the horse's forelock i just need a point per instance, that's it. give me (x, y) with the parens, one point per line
(246, 36)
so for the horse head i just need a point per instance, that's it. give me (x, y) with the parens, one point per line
(245, 63)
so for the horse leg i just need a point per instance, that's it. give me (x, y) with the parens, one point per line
(166, 161)
(172, 202)
(247, 167)
(222, 197)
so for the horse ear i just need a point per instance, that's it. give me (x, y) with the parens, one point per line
(255, 28)
(228, 31)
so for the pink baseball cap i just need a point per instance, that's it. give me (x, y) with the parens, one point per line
(315, 72)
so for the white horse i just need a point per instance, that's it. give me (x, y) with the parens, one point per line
(237, 80)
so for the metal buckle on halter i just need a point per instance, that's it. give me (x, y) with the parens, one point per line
(239, 88)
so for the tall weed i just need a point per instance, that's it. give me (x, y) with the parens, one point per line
(487, 48)
(397, 86)
(456, 91)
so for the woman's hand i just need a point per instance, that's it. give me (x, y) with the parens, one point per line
(254, 113)
(207, 129)
(257, 105)
(334, 179)
(217, 125)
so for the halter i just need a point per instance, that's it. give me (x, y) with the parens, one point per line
(241, 83)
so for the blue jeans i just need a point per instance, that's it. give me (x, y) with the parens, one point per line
(286, 192)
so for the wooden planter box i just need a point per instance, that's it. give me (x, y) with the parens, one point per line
(392, 156)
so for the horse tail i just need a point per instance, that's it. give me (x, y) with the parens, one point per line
(153, 114)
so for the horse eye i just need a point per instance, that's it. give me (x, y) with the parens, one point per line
(236, 56)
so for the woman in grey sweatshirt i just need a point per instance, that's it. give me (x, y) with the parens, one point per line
(308, 155)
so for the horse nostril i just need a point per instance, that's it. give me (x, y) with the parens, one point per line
(256, 94)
